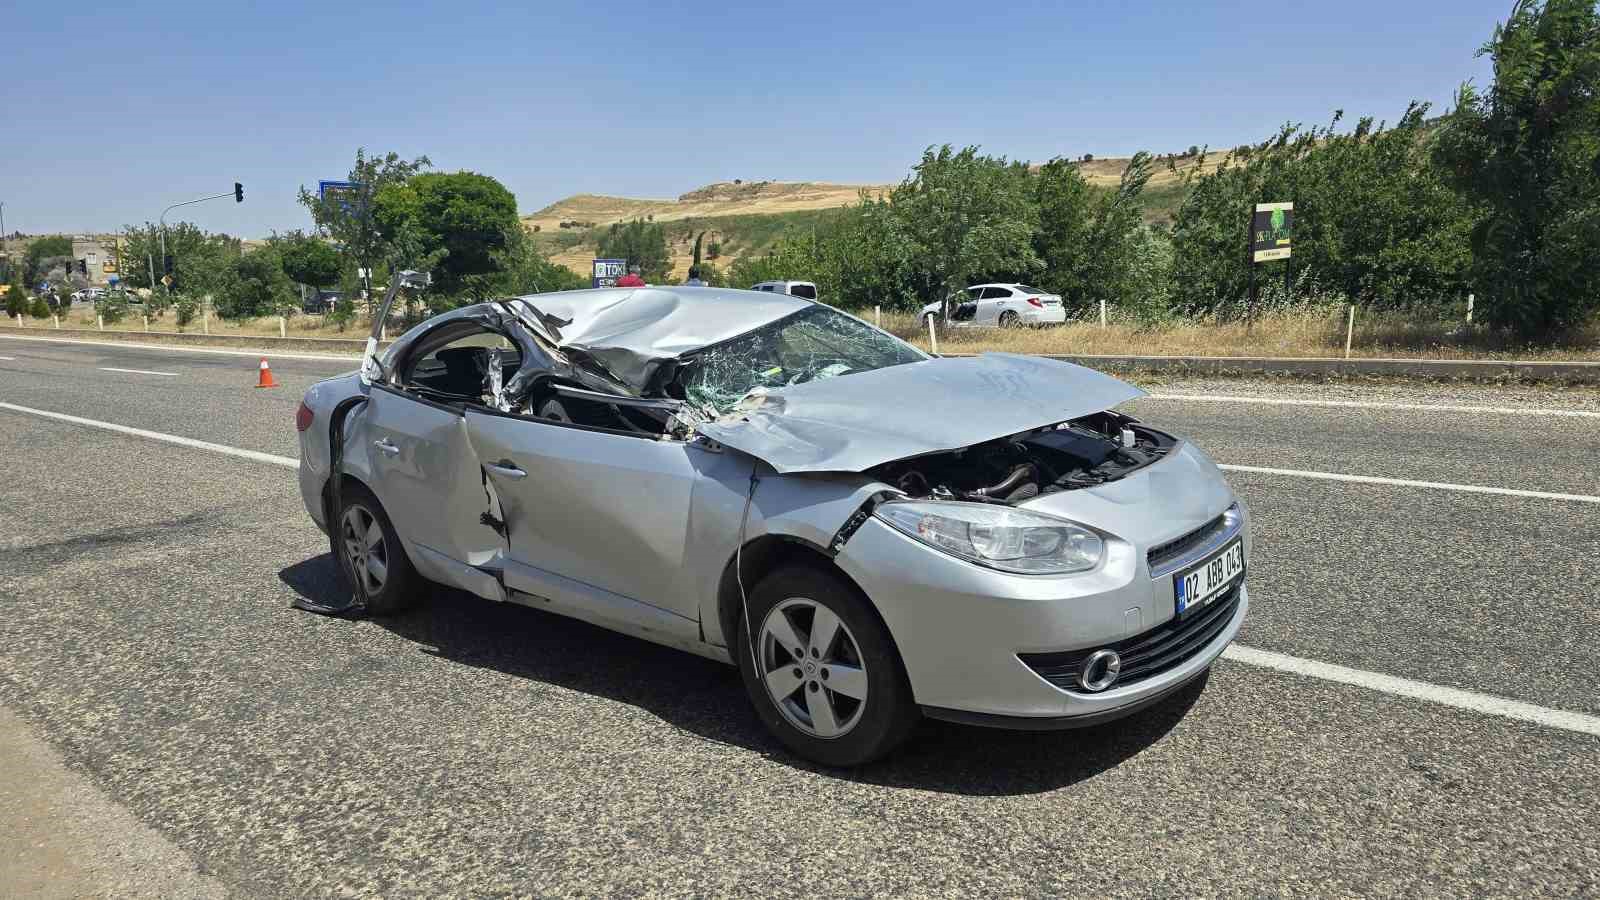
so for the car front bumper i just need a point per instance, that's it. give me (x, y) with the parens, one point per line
(962, 630)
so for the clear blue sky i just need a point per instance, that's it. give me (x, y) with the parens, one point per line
(117, 111)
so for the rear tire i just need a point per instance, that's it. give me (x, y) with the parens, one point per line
(372, 551)
(1010, 319)
(831, 685)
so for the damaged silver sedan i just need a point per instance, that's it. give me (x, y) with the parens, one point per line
(869, 533)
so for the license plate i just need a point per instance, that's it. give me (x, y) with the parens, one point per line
(1197, 586)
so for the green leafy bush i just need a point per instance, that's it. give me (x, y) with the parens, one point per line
(39, 308)
(112, 307)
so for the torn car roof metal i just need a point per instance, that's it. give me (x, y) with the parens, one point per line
(860, 420)
(630, 332)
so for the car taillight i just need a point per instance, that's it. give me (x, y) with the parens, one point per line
(303, 417)
(1034, 301)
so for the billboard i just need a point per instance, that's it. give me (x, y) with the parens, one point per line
(1270, 229)
(607, 271)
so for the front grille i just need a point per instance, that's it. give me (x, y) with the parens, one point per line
(1161, 554)
(1145, 655)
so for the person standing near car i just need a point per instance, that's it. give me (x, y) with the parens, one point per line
(694, 278)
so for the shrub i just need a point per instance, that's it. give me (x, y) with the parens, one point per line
(186, 305)
(39, 309)
(112, 307)
(16, 302)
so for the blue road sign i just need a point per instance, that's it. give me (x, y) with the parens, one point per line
(345, 193)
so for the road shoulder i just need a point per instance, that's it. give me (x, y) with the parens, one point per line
(61, 837)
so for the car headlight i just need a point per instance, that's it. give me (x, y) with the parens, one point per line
(1000, 537)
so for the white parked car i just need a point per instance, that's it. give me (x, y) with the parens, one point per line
(1003, 305)
(793, 288)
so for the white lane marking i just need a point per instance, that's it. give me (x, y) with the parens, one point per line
(285, 461)
(1388, 684)
(1407, 482)
(272, 354)
(1382, 404)
(1487, 704)
(9, 358)
(133, 371)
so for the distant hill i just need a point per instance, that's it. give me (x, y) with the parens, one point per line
(744, 217)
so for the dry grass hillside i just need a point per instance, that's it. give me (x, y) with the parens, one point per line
(725, 198)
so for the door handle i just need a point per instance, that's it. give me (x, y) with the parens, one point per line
(387, 446)
(506, 468)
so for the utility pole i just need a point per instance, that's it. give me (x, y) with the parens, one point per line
(4, 247)
(238, 197)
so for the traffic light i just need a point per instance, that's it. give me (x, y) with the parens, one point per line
(238, 192)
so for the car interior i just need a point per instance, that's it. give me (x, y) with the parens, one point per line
(453, 367)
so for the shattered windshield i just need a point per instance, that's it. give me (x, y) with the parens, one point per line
(816, 342)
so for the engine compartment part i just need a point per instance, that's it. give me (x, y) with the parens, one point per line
(1081, 453)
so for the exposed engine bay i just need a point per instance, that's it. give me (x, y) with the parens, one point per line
(1081, 453)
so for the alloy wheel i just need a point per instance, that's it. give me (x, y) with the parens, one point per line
(812, 668)
(365, 548)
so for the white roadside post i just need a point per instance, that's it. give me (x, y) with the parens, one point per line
(283, 327)
(1350, 331)
(1470, 298)
(877, 316)
(100, 322)
(205, 321)
(147, 324)
(57, 321)
(933, 338)
(1102, 312)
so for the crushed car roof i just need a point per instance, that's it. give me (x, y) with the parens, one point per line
(629, 330)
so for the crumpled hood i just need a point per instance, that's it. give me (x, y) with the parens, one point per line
(856, 421)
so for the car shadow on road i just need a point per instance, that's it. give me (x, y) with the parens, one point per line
(707, 698)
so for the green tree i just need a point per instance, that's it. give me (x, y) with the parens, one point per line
(308, 260)
(39, 309)
(255, 286)
(964, 216)
(642, 244)
(43, 254)
(16, 303)
(1374, 219)
(348, 218)
(463, 220)
(1528, 151)
(201, 261)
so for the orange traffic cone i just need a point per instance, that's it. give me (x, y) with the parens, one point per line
(266, 375)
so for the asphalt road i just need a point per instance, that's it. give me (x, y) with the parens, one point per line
(469, 748)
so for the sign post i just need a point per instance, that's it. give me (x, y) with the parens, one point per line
(1271, 230)
(607, 271)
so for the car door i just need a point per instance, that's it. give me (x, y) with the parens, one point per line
(990, 304)
(606, 509)
(424, 471)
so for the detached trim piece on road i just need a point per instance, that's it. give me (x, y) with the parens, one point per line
(1388, 684)
(224, 449)
(1418, 690)
(1407, 482)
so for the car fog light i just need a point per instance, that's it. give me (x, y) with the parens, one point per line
(1100, 671)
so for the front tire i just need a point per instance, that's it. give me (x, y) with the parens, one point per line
(830, 686)
(365, 546)
(1010, 319)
